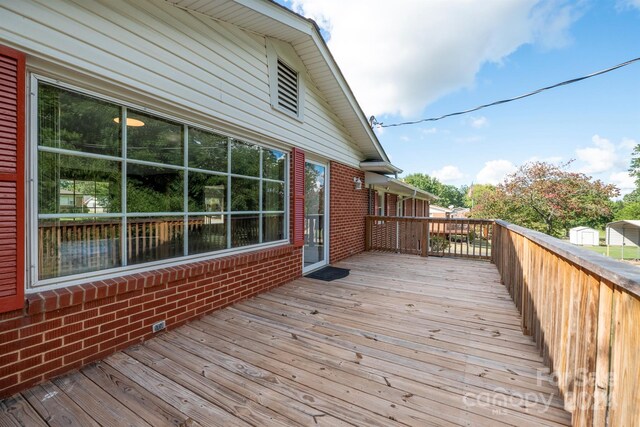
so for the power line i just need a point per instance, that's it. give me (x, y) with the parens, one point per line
(375, 122)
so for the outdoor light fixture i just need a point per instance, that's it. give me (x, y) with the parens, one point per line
(358, 183)
(130, 122)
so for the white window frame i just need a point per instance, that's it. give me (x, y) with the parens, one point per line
(33, 284)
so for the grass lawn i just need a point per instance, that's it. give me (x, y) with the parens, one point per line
(630, 252)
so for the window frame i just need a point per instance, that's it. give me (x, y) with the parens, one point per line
(35, 284)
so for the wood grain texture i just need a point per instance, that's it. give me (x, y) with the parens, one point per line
(402, 340)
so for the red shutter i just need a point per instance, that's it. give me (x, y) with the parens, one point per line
(298, 196)
(12, 86)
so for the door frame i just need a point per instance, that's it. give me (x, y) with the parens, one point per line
(325, 261)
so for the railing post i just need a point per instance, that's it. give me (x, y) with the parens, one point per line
(424, 239)
(367, 234)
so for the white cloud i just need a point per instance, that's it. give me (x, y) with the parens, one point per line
(478, 122)
(448, 174)
(429, 131)
(628, 144)
(601, 157)
(623, 4)
(398, 58)
(625, 182)
(494, 171)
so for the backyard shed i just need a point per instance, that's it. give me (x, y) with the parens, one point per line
(623, 233)
(584, 236)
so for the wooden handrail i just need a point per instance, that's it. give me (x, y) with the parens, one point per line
(429, 236)
(583, 312)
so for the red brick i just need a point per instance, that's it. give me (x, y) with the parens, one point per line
(80, 354)
(114, 325)
(62, 351)
(78, 317)
(97, 339)
(65, 330)
(40, 348)
(20, 344)
(6, 337)
(81, 335)
(99, 320)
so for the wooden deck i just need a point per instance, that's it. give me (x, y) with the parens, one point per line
(401, 340)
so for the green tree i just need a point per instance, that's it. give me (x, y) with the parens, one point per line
(477, 192)
(548, 198)
(448, 194)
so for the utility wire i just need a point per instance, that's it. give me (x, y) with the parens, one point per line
(375, 122)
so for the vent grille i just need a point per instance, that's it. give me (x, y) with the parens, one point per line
(287, 88)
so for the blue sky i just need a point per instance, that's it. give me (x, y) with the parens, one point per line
(423, 58)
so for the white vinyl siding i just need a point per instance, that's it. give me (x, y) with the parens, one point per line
(149, 52)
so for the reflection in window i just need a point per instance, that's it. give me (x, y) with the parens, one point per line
(70, 184)
(153, 139)
(207, 233)
(245, 230)
(72, 245)
(154, 189)
(244, 194)
(273, 164)
(76, 122)
(245, 159)
(273, 196)
(100, 208)
(154, 239)
(207, 193)
(273, 227)
(207, 150)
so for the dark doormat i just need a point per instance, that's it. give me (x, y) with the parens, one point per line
(329, 273)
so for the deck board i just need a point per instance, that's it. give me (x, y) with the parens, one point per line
(402, 340)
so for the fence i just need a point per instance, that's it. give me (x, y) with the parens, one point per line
(452, 237)
(583, 312)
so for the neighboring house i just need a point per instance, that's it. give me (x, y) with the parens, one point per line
(201, 122)
(440, 212)
(584, 236)
(392, 197)
(623, 233)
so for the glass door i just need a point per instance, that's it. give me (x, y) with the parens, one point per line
(315, 241)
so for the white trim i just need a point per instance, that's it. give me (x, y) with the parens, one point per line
(35, 285)
(78, 279)
(326, 223)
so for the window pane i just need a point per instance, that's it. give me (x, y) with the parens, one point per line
(154, 189)
(72, 246)
(154, 239)
(70, 184)
(273, 227)
(244, 230)
(207, 193)
(153, 139)
(273, 163)
(245, 194)
(207, 150)
(77, 122)
(207, 233)
(245, 159)
(272, 196)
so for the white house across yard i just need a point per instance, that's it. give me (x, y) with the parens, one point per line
(584, 236)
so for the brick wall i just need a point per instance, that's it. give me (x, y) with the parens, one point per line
(348, 208)
(64, 329)
(392, 201)
(67, 328)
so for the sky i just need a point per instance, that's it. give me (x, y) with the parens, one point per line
(412, 59)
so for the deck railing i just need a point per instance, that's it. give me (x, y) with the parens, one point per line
(464, 238)
(583, 311)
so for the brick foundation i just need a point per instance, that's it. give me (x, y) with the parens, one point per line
(67, 328)
(348, 208)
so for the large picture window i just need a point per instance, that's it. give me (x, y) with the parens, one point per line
(118, 187)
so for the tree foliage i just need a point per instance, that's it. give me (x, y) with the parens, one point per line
(448, 194)
(548, 198)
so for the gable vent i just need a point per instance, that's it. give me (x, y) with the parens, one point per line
(287, 88)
